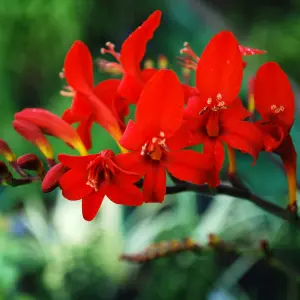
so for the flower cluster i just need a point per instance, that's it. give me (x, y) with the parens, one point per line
(171, 116)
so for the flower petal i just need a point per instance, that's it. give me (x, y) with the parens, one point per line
(214, 148)
(124, 193)
(161, 104)
(34, 135)
(235, 111)
(189, 165)
(220, 70)
(132, 138)
(243, 136)
(181, 139)
(272, 91)
(78, 68)
(73, 184)
(78, 162)
(91, 204)
(53, 125)
(81, 108)
(131, 162)
(154, 187)
(134, 47)
(84, 131)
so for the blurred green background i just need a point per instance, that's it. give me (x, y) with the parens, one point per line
(47, 251)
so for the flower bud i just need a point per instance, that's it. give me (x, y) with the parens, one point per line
(6, 151)
(50, 181)
(31, 162)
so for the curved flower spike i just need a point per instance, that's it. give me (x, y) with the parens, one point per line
(219, 71)
(50, 124)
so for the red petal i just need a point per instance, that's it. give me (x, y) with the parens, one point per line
(272, 87)
(79, 162)
(220, 70)
(53, 125)
(181, 139)
(34, 135)
(194, 106)
(189, 91)
(134, 47)
(91, 204)
(81, 108)
(73, 184)
(235, 111)
(160, 107)
(130, 88)
(189, 165)
(126, 194)
(147, 74)
(106, 92)
(69, 117)
(243, 136)
(84, 131)
(154, 187)
(214, 148)
(78, 68)
(250, 51)
(131, 162)
(132, 138)
(273, 135)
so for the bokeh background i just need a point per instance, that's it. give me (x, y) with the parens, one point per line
(47, 251)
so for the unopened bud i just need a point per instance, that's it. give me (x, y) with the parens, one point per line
(31, 162)
(50, 181)
(6, 151)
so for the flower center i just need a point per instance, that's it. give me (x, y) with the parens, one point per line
(156, 147)
(212, 125)
(99, 172)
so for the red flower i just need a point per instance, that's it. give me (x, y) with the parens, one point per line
(274, 100)
(216, 115)
(92, 177)
(131, 55)
(90, 104)
(28, 119)
(157, 138)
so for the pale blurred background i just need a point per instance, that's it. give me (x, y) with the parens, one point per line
(47, 251)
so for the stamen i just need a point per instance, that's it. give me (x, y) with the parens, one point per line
(162, 62)
(188, 51)
(67, 91)
(148, 64)
(110, 50)
(277, 110)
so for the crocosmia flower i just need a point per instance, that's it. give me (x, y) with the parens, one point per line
(216, 115)
(90, 104)
(274, 100)
(92, 177)
(157, 138)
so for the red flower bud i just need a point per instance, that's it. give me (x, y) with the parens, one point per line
(52, 177)
(31, 162)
